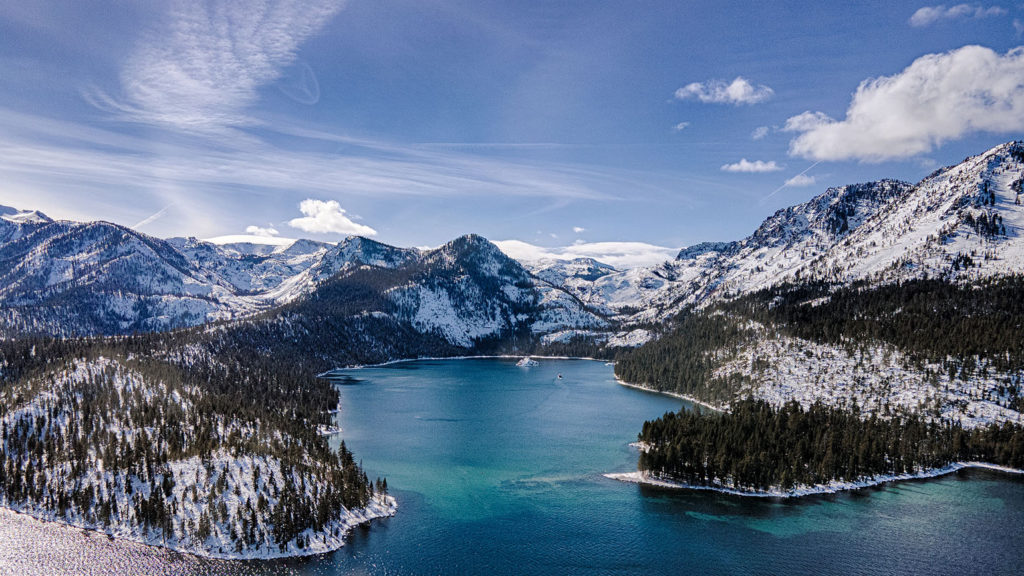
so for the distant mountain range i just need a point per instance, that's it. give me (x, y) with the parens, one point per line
(961, 223)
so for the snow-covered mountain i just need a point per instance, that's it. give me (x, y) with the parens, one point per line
(960, 223)
(101, 278)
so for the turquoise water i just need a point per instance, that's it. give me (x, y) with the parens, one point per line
(498, 470)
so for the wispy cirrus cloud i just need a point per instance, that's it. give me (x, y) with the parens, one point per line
(755, 166)
(201, 70)
(938, 98)
(928, 15)
(82, 171)
(739, 91)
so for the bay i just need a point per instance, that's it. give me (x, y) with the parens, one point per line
(498, 470)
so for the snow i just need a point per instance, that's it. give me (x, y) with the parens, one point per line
(875, 375)
(880, 232)
(643, 477)
(246, 478)
(631, 338)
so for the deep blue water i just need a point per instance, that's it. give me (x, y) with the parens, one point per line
(498, 470)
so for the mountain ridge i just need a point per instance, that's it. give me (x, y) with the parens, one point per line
(961, 222)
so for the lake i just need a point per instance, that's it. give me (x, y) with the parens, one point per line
(498, 470)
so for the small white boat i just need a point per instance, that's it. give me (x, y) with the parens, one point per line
(527, 362)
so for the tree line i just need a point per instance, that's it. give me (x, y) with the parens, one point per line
(758, 447)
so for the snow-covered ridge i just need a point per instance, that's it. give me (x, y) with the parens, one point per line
(68, 278)
(960, 223)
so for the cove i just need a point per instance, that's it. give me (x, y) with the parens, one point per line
(498, 470)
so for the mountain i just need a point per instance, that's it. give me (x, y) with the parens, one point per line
(88, 278)
(961, 223)
(67, 278)
(888, 297)
(465, 297)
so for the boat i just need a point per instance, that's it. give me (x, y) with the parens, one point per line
(526, 362)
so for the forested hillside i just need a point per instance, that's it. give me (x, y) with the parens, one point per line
(954, 343)
(212, 454)
(823, 384)
(757, 447)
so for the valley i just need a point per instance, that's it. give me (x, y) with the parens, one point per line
(894, 302)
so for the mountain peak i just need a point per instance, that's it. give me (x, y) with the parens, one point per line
(23, 216)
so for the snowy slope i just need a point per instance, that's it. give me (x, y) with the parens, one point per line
(469, 290)
(961, 223)
(222, 503)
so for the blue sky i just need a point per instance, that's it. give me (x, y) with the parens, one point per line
(572, 127)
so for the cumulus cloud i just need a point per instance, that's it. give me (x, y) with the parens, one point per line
(800, 180)
(760, 132)
(205, 66)
(807, 121)
(938, 98)
(745, 165)
(327, 217)
(929, 15)
(681, 126)
(578, 229)
(267, 232)
(739, 91)
(621, 255)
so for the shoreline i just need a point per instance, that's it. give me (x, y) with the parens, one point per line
(619, 381)
(375, 510)
(689, 399)
(648, 479)
(436, 358)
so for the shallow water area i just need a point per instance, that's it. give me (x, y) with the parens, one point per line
(498, 470)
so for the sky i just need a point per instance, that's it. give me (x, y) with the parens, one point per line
(619, 130)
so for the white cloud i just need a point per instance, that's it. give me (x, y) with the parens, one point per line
(201, 70)
(681, 126)
(739, 91)
(1018, 26)
(267, 232)
(578, 229)
(938, 98)
(929, 15)
(806, 121)
(760, 132)
(745, 165)
(621, 255)
(327, 217)
(800, 180)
